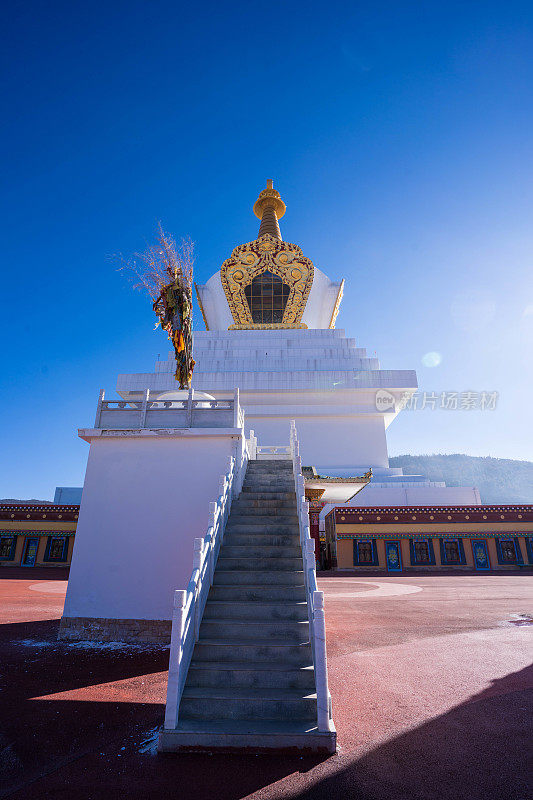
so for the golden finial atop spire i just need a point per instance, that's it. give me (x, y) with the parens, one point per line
(269, 197)
(269, 208)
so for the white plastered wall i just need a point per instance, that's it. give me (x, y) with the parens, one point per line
(144, 502)
(331, 442)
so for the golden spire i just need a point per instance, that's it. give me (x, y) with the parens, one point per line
(269, 208)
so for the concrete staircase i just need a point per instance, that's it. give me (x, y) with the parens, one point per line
(251, 682)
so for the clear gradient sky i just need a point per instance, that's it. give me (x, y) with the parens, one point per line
(400, 137)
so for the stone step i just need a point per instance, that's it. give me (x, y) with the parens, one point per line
(278, 650)
(287, 482)
(267, 494)
(268, 472)
(249, 736)
(258, 526)
(264, 675)
(267, 479)
(252, 550)
(247, 703)
(264, 611)
(270, 477)
(280, 464)
(271, 562)
(257, 516)
(256, 538)
(267, 469)
(250, 501)
(233, 577)
(263, 508)
(250, 629)
(250, 593)
(264, 488)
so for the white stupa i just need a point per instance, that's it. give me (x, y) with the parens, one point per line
(270, 331)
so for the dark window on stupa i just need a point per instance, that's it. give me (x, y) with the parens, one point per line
(267, 297)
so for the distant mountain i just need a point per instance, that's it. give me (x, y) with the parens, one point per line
(6, 500)
(499, 480)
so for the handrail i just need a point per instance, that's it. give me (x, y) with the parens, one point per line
(315, 599)
(189, 603)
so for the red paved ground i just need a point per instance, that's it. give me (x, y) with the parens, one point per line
(430, 693)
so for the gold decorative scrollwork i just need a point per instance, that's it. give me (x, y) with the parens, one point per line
(249, 260)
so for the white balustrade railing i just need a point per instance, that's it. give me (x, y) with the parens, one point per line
(315, 599)
(189, 603)
(153, 412)
(273, 452)
(274, 449)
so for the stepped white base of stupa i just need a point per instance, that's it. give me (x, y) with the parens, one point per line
(317, 377)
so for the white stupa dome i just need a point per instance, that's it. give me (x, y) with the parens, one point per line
(181, 395)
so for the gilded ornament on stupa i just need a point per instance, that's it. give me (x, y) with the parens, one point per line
(268, 258)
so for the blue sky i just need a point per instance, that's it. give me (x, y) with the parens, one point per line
(399, 135)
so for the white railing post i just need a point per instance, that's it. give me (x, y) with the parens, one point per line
(251, 448)
(236, 409)
(232, 469)
(211, 524)
(321, 667)
(98, 417)
(176, 655)
(190, 398)
(309, 559)
(222, 492)
(144, 406)
(197, 565)
(305, 519)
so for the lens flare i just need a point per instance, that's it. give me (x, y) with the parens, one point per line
(432, 359)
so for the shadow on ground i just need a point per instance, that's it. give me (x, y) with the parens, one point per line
(479, 750)
(34, 573)
(95, 750)
(92, 749)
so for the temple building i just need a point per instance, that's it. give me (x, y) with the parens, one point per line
(402, 538)
(38, 534)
